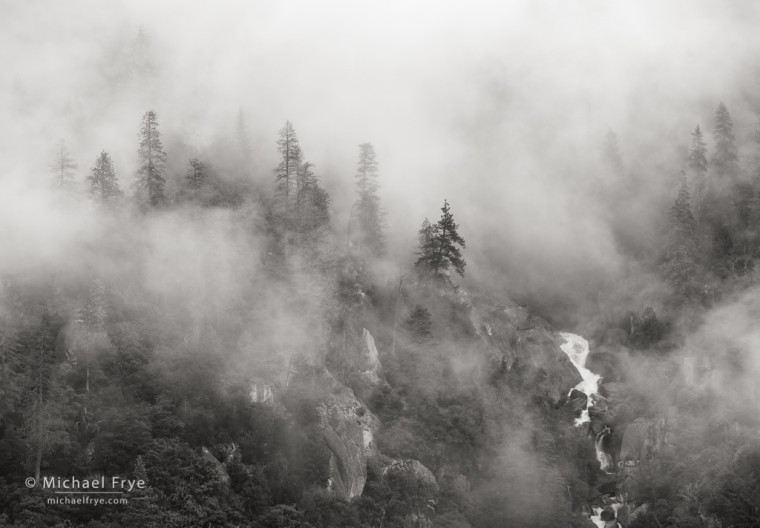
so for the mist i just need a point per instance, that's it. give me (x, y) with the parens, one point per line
(501, 109)
(227, 330)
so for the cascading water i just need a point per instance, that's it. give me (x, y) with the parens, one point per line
(606, 521)
(604, 458)
(577, 350)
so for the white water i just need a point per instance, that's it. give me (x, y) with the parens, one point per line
(597, 517)
(577, 350)
(604, 458)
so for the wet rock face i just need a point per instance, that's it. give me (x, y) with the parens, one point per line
(349, 430)
(348, 464)
(363, 366)
(369, 361)
(577, 400)
(601, 446)
(529, 348)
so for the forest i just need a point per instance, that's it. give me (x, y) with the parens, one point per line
(268, 341)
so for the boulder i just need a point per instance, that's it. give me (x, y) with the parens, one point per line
(577, 400)
(413, 469)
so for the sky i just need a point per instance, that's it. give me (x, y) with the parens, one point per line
(499, 107)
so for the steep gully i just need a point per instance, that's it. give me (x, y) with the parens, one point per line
(577, 350)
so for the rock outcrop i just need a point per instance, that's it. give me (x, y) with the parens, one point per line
(369, 360)
(529, 349)
(349, 430)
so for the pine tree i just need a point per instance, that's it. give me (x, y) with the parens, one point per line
(438, 252)
(754, 205)
(312, 201)
(725, 160)
(680, 259)
(697, 162)
(419, 322)
(196, 173)
(63, 167)
(47, 398)
(90, 335)
(286, 173)
(425, 234)
(305, 179)
(143, 508)
(103, 184)
(11, 358)
(698, 152)
(369, 214)
(93, 313)
(152, 161)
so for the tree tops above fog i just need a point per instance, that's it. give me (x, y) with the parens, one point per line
(369, 215)
(152, 162)
(714, 222)
(299, 207)
(439, 247)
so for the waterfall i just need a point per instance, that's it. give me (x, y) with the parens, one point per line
(604, 458)
(577, 350)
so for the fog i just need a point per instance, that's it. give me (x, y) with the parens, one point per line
(500, 107)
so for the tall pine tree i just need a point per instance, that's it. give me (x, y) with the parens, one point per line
(103, 184)
(438, 252)
(152, 161)
(755, 201)
(681, 256)
(370, 237)
(312, 201)
(698, 166)
(63, 167)
(725, 160)
(196, 174)
(286, 173)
